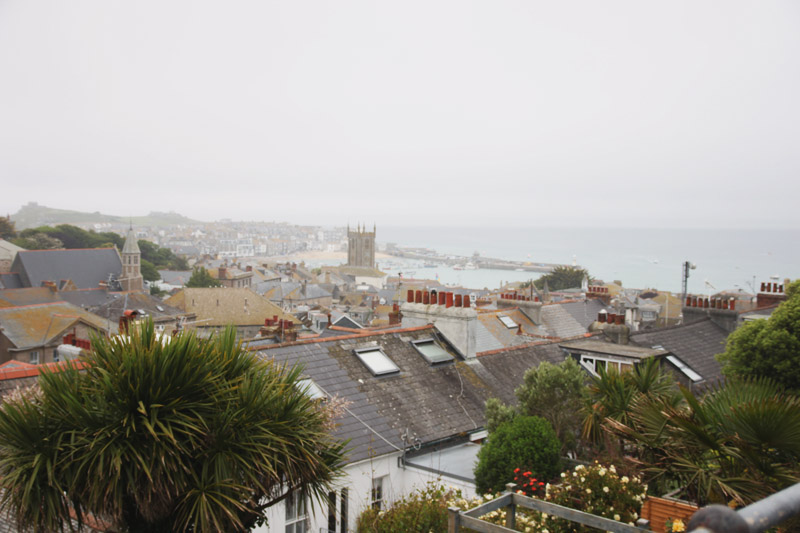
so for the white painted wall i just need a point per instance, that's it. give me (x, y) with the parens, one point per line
(358, 480)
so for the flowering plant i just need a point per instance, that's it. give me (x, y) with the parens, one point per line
(674, 526)
(527, 484)
(598, 490)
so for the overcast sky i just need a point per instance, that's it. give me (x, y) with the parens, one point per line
(672, 113)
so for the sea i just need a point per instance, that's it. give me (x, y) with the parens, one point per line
(725, 259)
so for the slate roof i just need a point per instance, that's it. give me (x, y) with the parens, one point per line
(695, 344)
(35, 325)
(85, 267)
(290, 290)
(345, 321)
(131, 246)
(504, 370)
(584, 312)
(175, 277)
(27, 296)
(559, 322)
(631, 351)
(427, 401)
(8, 250)
(90, 298)
(10, 280)
(223, 306)
(140, 301)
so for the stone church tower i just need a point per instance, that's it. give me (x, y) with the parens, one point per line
(361, 247)
(131, 278)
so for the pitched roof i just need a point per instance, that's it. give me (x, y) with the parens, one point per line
(223, 306)
(27, 296)
(37, 325)
(10, 280)
(695, 344)
(175, 277)
(85, 267)
(559, 322)
(429, 402)
(504, 370)
(131, 246)
(584, 312)
(8, 250)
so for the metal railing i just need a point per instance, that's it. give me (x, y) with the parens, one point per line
(755, 518)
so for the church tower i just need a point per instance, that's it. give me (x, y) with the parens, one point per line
(131, 278)
(361, 247)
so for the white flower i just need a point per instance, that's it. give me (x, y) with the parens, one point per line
(613, 469)
(602, 472)
(588, 491)
(616, 517)
(635, 516)
(605, 489)
(624, 479)
(579, 467)
(583, 479)
(487, 496)
(563, 475)
(574, 474)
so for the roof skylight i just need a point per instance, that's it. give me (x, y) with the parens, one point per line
(507, 321)
(377, 361)
(432, 352)
(312, 389)
(683, 367)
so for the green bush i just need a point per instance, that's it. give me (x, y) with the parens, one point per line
(423, 510)
(528, 443)
(598, 490)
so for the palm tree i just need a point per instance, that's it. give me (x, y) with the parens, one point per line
(613, 393)
(740, 442)
(164, 434)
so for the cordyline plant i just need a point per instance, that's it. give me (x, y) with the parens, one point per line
(163, 434)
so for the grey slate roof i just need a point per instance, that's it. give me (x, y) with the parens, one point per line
(85, 267)
(427, 401)
(175, 277)
(503, 371)
(345, 321)
(484, 340)
(584, 312)
(10, 280)
(559, 322)
(695, 344)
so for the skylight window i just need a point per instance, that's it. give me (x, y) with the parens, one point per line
(432, 352)
(377, 361)
(683, 367)
(507, 321)
(312, 389)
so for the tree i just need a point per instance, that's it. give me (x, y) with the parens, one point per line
(164, 434)
(149, 271)
(739, 442)
(37, 241)
(562, 277)
(7, 229)
(556, 393)
(770, 347)
(526, 442)
(201, 278)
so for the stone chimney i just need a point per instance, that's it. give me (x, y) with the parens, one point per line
(613, 327)
(454, 318)
(395, 316)
(721, 312)
(771, 293)
(222, 272)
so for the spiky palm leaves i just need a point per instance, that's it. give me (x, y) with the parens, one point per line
(740, 442)
(184, 435)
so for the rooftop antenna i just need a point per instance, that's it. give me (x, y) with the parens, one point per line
(687, 266)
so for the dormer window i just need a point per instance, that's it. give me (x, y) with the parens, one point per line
(432, 352)
(377, 362)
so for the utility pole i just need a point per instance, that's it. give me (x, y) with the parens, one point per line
(687, 266)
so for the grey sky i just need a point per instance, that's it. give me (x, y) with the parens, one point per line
(416, 112)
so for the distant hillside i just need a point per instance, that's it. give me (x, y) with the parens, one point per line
(34, 215)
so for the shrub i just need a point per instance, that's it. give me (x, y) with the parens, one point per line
(423, 510)
(598, 490)
(526, 442)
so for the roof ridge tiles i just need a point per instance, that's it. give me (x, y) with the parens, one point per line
(17, 373)
(35, 305)
(68, 249)
(340, 338)
(537, 343)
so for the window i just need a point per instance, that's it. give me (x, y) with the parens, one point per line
(377, 492)
(377, 361)
(332, 512)
(56, 357)
(296, 517)
(311, 388)
(432, 352)
(34, 358)
(648, 315)
(345, 499)
(510, 324)
(683, 367)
